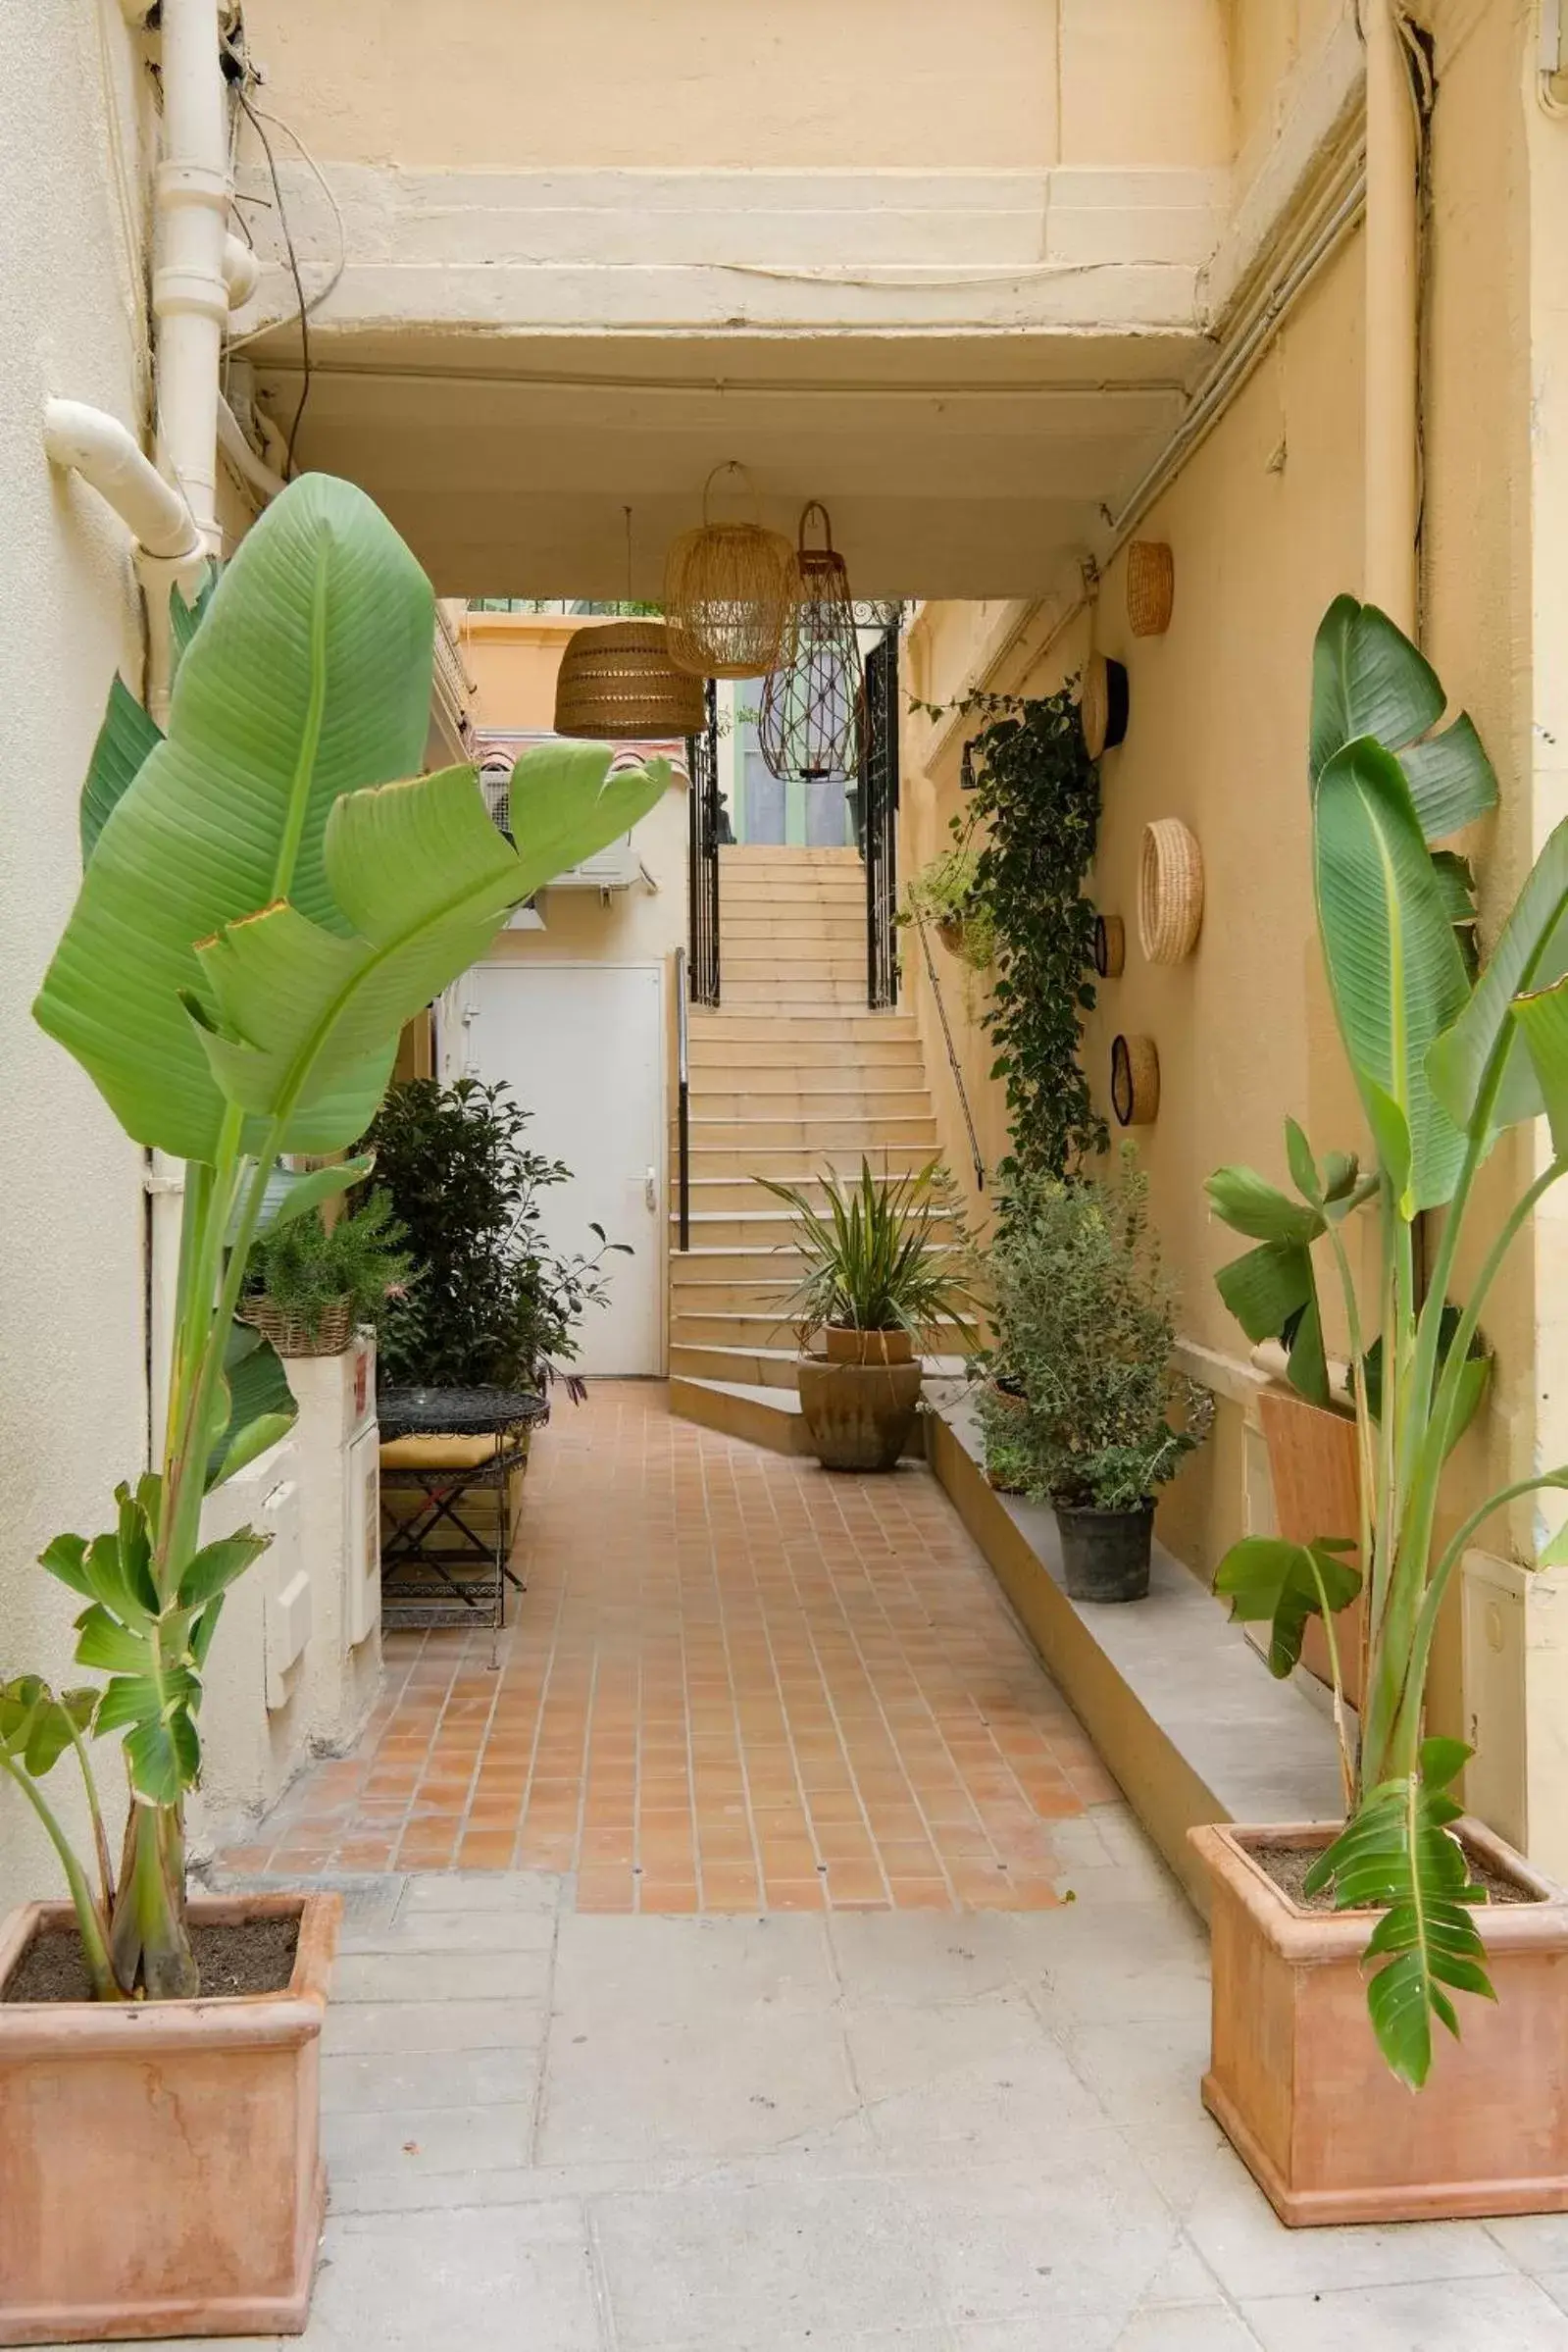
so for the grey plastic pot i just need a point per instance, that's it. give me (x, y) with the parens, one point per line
(1105, 1554)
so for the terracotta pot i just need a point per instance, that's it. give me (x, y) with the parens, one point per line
(846, 1346)
(160, 2170)
(1298, 2085)
(858, 1416)
(1315, 1474)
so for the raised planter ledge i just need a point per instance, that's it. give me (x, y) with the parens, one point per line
(1184, 1711)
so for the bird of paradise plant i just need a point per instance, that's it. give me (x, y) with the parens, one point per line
(270, 890)
(1446, 1057)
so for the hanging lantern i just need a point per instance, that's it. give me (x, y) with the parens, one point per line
(727, 589)
(813, 702)
(619, 684)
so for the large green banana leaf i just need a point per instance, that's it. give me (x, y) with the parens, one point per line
(1369, 679)
(1394, 967)
(309, 677)
(306, 1021)
(256, 923)
(1483, 1053)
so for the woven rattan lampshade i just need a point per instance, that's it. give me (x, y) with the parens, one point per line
(726, 593)
(812, 703)
(618, 685)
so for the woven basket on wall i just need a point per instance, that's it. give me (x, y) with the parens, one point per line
(727, 589)
(1151, 588)
(292, 1335)
(1110, 947)
(619, 684)
(1135, 1081)
(1102, 704)
(1170, 891)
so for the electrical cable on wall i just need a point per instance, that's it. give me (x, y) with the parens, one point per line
(303, 319)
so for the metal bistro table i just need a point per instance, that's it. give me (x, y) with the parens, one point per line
(424, 1552)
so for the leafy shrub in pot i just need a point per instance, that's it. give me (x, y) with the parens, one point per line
(310, 1284)
(492, 1305)
(1084, 1320)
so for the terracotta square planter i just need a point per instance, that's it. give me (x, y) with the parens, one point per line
(160, 2165)
(1300, 2088)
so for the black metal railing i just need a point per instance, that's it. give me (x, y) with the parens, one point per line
(707, 830)
(878, 819)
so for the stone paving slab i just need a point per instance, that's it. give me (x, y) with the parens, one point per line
(888, 2133)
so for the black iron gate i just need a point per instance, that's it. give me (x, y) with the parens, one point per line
(708, 829)
(878, 819)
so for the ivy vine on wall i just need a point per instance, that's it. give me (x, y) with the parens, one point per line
(1033, 819)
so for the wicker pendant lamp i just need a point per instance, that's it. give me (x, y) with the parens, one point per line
(619, 684)
(726, 593)
(813, 702)
(616, 684)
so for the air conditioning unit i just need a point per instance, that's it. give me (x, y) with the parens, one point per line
(615, 868)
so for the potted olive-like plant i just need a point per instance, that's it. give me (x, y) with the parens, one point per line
(265, 902)
(1409, 1911)
(1079, 1411)
(884, 1269)
(310, 1284)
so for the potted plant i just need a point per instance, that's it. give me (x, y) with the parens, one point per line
(493, 1305)
(1389, 1917)
(309, 1284)
(944, 893)
(882, 1267)
(264, 904)
(1078, 1412)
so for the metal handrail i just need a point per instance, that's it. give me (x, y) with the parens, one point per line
(952, 1056)
(682, 1100)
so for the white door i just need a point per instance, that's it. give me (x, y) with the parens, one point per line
(581, 1046)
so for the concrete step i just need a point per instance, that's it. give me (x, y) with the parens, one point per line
(782, 853)
(814, 962)
(770, 1099)
(740, 1192)
(751, 1232)
(726, 1165)
(825, 994)
(755, 1131)
(776, 1367)
(802, 1025)
(710, 1053)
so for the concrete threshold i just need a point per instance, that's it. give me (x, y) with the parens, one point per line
(1182, 1708)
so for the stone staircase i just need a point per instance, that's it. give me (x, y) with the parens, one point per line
(789, 1074)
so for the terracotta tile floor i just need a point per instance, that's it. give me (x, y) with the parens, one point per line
(735, 1684)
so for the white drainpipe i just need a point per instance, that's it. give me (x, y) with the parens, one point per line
(190, 287)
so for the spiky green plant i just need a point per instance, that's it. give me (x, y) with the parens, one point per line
(882, 1256)
(1445, 1059)
(270, 890)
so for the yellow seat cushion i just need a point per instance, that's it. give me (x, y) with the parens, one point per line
(439, 1453)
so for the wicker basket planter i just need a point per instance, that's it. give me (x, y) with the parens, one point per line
(1170, 891)
(293, 1333)
(619, 684)
(1110, 947)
